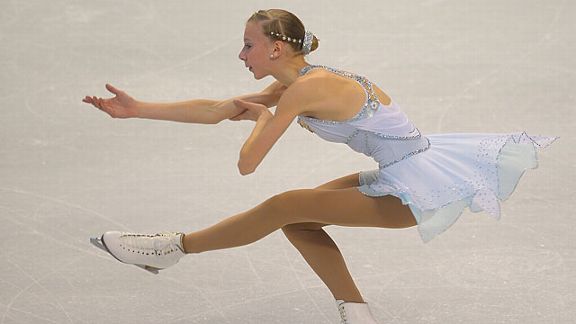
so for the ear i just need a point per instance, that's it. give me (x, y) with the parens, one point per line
(278, 47)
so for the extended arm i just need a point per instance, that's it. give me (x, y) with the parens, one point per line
(207, 111)
(203, 111)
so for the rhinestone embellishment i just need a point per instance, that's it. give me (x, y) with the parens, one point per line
(304, 124)
(382, 166)
(371, 105)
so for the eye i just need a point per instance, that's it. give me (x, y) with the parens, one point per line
(247, 46)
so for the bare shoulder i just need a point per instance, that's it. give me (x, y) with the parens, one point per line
(303, 93)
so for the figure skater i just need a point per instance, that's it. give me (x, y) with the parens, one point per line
(421, 180)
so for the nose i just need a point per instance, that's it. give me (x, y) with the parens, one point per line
(241, 55)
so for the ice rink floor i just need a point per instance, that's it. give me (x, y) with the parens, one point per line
(68, 171)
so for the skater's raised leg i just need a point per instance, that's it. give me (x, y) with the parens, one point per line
(343, 207)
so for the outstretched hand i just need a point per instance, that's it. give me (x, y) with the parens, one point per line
(121, 106)
(251, 110)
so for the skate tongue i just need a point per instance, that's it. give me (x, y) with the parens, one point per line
(161, 243)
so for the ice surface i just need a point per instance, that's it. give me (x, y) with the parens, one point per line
(69, 172)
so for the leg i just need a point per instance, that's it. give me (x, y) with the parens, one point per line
(322, 253)
(344, 207)
(324, 257)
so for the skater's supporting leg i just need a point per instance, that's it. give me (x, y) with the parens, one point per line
(322, 253)
(324, 257)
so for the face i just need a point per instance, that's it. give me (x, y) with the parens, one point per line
(256, 51)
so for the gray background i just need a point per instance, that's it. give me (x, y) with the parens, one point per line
(68, 171)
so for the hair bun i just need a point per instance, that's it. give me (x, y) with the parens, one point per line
(315, 44)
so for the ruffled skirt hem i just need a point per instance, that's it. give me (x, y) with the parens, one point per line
(459, 171)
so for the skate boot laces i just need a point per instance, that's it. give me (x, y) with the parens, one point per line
(151, 244)
(343, 318)
(355, 313)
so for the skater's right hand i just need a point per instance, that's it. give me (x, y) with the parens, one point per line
(121, 106)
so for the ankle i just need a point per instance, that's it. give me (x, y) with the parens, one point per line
(353, 313)
(186, 245)
(351, 299)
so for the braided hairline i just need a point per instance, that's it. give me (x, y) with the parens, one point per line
(286, 38)
(263, 15)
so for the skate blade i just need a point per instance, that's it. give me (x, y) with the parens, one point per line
(97, 242)
(148, 268)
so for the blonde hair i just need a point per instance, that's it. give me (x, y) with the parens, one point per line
(284, 23)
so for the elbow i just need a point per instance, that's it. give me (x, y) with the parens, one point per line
(244, 172)
(245, 168)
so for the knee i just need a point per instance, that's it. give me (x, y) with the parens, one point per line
(281, 208)
(291, 207)
(286, 201)
(293, 230)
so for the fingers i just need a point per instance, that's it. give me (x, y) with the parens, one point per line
(240, 116)
(112, 89)
(96, 102)
(88, 100)
(240, 113)
(237, 117)
(242, 103)
(248, 105)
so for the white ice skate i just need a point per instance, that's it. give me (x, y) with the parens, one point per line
(355, 313)
(152, 252)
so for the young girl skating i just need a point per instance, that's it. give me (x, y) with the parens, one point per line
(421, 180)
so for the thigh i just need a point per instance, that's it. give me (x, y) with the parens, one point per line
(343, 207)
(348, 181)
(351, 180)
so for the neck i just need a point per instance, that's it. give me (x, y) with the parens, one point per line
(290, 71)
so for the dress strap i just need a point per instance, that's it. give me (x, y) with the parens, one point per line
(372, 101)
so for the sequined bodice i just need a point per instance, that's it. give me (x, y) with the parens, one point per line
(379, 131)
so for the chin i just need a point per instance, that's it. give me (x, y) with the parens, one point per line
(259, 75)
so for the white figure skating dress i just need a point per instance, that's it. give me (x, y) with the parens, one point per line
(437, 175)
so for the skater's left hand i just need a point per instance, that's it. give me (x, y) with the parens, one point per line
(252, 111)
